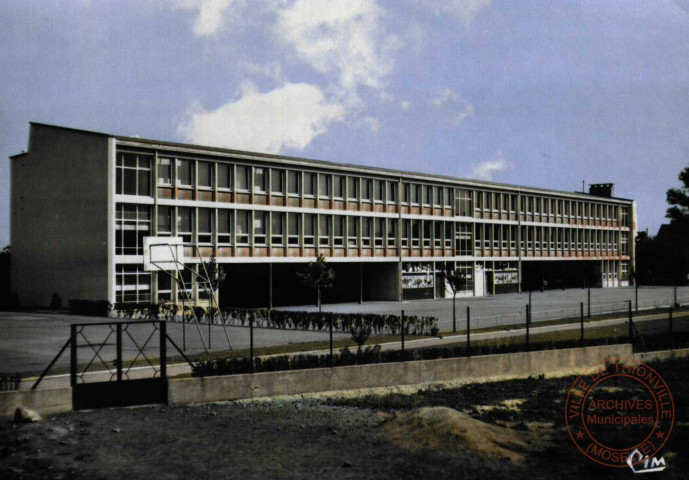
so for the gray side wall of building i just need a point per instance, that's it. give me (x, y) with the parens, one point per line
(59, 200)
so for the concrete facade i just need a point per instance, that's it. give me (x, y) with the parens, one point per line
(83, 202)
(59, 217)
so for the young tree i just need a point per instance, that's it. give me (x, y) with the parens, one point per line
(216, 277)
(319, 276)
(457, 282)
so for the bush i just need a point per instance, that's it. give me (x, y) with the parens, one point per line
(373, 354)
(55, 302)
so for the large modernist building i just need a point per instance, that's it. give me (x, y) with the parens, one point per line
(83, 202)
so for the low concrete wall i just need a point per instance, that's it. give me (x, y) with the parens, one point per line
(662, 355)
(234, 387)
(45, 402)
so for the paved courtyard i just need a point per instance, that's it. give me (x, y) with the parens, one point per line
(29, 341)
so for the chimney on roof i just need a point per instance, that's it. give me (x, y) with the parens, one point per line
(602, 189)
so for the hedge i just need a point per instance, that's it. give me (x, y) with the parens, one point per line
(369, 355)
(283, 319)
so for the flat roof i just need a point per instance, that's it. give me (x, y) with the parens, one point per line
(327, 164)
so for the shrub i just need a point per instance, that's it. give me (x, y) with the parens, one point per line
(55, 302)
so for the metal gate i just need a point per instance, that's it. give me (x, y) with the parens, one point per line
(118, 364)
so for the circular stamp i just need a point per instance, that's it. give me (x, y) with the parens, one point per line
(617, 407)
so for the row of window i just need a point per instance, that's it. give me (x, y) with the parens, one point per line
(497, 237)
(134, 178)
(245, 227)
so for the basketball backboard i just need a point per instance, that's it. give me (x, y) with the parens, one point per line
(163, 253)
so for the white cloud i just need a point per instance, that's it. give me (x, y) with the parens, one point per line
(468, 112)
(286, 118)
(405, 104)
(446, 96)
(463, 10)
(372, 123)
(486, 170)
(210, 14)
(340, 37)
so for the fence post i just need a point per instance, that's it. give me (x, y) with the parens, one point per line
(331, 340)
(630, 322)
(402, 329)
(528, 323)
(581, 318)
(163, 350)
(73, 355)
(670, 327)
(209, 329)
(468, 330)
(118, 359)
(636, 296)
(589, 303)
(251, 343)
(676, 304)
(184, 332)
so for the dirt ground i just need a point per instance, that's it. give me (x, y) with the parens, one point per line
(510, 428)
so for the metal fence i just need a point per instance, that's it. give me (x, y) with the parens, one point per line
(31, 341)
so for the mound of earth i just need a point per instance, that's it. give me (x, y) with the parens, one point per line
(446, 429)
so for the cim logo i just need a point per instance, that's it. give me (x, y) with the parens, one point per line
(636, 457)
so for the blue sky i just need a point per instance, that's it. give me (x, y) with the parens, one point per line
(540, 93)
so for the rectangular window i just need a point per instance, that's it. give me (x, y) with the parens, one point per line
(260, 180)
(224, 227)
(464, 208)
(378, 232)
(438, 200)
(309, 228)
(338, 227)
(378, 190)
(164, 171)
(184, 173)
(294, 222)
(392, 192)
(184, 223)
(366, 189)
(242, 178)
(205, 170)
(133, 174)
(242, 227)
(352, 188)
(427, 194)
(392, 232)
(406, 193)
(352, 231)
(309, 184)
(404, 240)
(463, 241)
(260, 223)
(366, 231)
(277, 181)
(132, 224)
(205, 225)
(294, 182)
(415, 194)
(324, 229)
(324, 185)
(277, 228)
(224, 176)
(164, 221)
(338, 186)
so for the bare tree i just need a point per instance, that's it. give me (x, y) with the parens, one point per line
(457, 282)
(319, 276)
